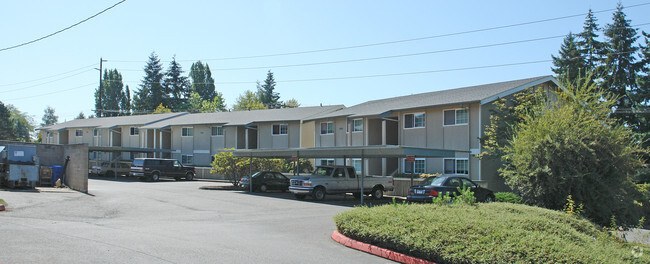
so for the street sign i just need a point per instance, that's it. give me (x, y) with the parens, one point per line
(410, 158)
(294, 158)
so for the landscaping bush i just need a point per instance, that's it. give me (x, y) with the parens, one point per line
(507, 197)
(486, 233)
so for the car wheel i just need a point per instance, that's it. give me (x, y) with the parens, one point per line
(264, 188)
(155, 176)
(356, 195)
(378, 193)
(490, 198)
(189, 176)
(300, 196)
(318, 193)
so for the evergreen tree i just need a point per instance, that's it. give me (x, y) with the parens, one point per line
(202, 82)
(267, 94)
(6, 126)
(80, 116)
(22, 124)
(113, 94)
(248, 101)
(125, 103)
(569, 65)
(176, 86)
(590, 47)
(196, 104)
(621, 66)
(151, 93)
(49, 118)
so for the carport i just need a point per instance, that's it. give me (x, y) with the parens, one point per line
(362, 152)
(117, 150)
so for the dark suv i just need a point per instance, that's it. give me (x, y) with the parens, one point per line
(153, 169)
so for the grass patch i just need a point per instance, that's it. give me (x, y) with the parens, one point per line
(3, 202)
(486, 233)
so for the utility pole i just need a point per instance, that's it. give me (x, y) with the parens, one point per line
(101, 94)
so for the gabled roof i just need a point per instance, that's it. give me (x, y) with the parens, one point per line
(241, 118)
(481, 93)
(111, 122)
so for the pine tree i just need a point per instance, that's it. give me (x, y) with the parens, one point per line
(125, 103)
(113, 95)
(49, 118)
(202, 82)
(267, 94)
(569, 65)
(176, 86)
(620, 66)
(80, 116)
(151, 93)
(590, 47)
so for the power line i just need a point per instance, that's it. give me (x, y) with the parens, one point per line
(59, 31)
(56, 80)
(53, 92)
(51, 76)
(404, 40)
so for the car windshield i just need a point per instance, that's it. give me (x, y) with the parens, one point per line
(138, 163)
(256, 174)
(325, 171)
(433, 181)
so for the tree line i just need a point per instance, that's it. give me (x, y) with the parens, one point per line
(171, 91)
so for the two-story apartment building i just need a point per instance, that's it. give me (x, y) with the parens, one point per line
(448, 120)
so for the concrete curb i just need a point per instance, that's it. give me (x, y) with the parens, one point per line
(377, 251)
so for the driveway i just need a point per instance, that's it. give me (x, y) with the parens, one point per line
(170, 222)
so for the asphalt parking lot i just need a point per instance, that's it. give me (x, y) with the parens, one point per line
(170, 222)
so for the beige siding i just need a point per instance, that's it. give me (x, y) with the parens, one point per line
(230, 137)
(308, 134)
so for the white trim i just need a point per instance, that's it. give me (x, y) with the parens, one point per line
(414, 172)
(362, 125)
(455, 166)
(137, 130)
(188, 130)
(320, 128)
(414, 127)
(222, 131)
(279, 129)
(455, 116)
(201, 151)
(75, 132)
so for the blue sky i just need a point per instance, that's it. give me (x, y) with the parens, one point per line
(59, 71)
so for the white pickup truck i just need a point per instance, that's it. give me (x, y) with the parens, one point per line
(336, 180)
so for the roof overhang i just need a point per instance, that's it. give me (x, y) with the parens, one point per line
(348, 152)
(521, 88)
(128, 149)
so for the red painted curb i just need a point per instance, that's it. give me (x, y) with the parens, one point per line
(377, 251)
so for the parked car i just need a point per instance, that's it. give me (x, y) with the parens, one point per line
(336, 180)
(266, 180)
(438, 186)
(108, 169)
(154, 168)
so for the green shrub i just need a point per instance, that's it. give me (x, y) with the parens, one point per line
(486, 233)
(507, 197)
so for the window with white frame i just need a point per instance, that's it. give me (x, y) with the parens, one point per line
(217, 131)
(187, 159)
(456, 117)
(326, 128)
(414, 120)
(327, 162)
(134, 131)
(456, 166)
(420, 166)
(78, 132)
(97, 132)
(357, 125)
(187, 132)
(356, 163)
(280, 129)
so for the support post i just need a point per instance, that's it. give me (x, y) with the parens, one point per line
(363, 172)
(250, 173)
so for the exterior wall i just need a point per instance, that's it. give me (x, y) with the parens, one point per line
(86, 138)
(308, 134)
(230, 137)
(338, 138)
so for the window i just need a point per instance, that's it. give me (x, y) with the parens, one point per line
(78, 132)
(280, 129)
(327, 162)
(134, 131)
(351, 173)
(420, 166)
(217, 131)
(356, 163)
(357, 125)
(414, 120)
(187, 132)
(97, 132)
(326, 128)
(456, 117)
(339, 173)
(456, 166)
(186, 159)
